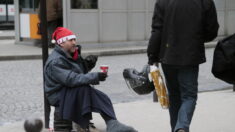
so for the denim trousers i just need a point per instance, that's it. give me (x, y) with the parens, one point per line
(182, 85)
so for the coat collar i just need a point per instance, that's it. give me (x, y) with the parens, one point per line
(62, 52)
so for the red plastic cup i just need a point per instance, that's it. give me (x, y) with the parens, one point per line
(104, 68)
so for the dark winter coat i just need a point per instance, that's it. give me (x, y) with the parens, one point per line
(68, 85)
(179, 30)
(61, 71)
(224, 60)
(54, 10)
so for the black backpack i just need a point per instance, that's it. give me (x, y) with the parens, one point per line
(224, 60)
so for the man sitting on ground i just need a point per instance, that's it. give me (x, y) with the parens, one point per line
(68, 84)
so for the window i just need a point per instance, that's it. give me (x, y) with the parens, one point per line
(6, 1)
(28, 5)
(6, 11)
(84, 4)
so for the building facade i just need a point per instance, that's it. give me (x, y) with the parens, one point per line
(7, 12)
(98, 21)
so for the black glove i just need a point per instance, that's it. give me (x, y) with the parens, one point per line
(152, 59)
(92, 58)
(91, 61)
(102, 76)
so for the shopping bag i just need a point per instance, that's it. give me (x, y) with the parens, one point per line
(160, 87)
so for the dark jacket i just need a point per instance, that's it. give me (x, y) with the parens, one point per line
(224, 60)
(61, 71)
(54, 10)
(179, 30)
(68, 85)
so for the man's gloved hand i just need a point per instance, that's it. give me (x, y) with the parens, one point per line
(102, 76)
(91, 61)
(92, 58)
(150, 62)
(152, 59)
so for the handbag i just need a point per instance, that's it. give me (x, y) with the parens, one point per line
(224, 60)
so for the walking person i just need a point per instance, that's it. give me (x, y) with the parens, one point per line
(179, 30)
(54, 17)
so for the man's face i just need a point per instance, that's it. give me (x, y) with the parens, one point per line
(69, 45)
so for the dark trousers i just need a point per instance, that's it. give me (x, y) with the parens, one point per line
(182, 85)
(77, 104)
(61, 125)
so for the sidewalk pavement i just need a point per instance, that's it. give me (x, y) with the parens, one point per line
(7, 34)
(214, 113)
(11, 51)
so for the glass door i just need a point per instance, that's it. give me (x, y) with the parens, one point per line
(7, 12)
(3, 12)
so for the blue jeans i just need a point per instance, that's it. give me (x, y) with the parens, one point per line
(182, 85)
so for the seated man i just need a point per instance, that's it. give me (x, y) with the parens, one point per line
(68, 84)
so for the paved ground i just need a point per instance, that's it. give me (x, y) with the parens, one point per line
(11, 51)
(7, 34)
(21, 93)
(21, 90)
(214, 113)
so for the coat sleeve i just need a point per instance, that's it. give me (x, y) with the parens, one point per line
(65, 76)
(211, 25)
(155, 39)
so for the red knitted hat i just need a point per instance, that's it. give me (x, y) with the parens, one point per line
(61, 35)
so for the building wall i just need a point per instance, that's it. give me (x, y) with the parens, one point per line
(114, 20)
(130, 20)
(226, 16)
(126, 20)
(230, 16)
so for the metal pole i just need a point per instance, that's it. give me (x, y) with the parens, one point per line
(7, 11)
(43, 19)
